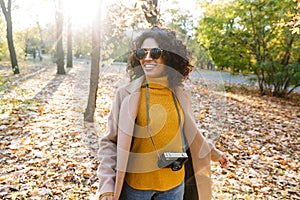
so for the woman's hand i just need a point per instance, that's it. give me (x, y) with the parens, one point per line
(107, 196)
(224, 161)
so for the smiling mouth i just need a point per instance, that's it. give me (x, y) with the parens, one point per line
(149, 66)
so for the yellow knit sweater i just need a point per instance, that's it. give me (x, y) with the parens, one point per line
(143, 172)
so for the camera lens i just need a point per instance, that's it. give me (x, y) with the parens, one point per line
(176, 166)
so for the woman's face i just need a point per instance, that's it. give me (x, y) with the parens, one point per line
(152, 67)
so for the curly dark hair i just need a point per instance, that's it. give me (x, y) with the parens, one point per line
(175, 55)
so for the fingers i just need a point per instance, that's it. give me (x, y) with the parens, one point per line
(108, 198)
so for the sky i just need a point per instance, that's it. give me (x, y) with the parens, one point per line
(31, 11)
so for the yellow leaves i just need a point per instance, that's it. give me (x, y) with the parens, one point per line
(41, 110)
(201, 115)
(261, 141)
(239, 142)
(224, 196)
(295, 30)
(3, 178)
(231, 175)
(72, 196)
(256, 147)
(38, 192)
(293, 22)
(43, 147)
(289, 14)
(51, 173)
(104, 110)
(35, 192)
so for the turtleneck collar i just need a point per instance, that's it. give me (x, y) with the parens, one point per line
(159, 82)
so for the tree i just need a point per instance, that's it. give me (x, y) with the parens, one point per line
(32, 40)
(59, 38)
(69, 44)
(94, 77)
(215, 34)
(276, 67)
(118, 29)
(36, 37)
(9, 35)
(114, 39)
(182, 22)
(82, 43)
(151, 11)
(3, 40)
(41, 42)
(293, 20)
(244, 36)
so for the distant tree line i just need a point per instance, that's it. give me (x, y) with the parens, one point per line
(259, 37)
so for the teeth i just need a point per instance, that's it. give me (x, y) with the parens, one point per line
(149, 66)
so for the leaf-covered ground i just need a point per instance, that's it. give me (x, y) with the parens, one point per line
(48, 152)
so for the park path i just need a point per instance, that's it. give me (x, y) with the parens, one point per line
(48, 152)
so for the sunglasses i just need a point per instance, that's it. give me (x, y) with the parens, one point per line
(155, 53)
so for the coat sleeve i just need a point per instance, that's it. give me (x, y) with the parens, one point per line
(216, 154)
(107, 153)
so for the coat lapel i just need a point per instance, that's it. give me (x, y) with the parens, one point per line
(184, 98)
(128, 110)
(198, 168)
(135, 85)
(128, 113)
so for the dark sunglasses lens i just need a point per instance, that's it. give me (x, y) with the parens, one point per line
(140, 54)
(155, 53)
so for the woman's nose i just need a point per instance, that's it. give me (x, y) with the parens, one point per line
(148, 57)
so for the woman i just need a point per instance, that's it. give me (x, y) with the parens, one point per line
(153, 149)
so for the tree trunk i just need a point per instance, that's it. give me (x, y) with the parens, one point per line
(151, 12)
(9, 36)
(288, 49)
(42, 44)
(59, 38)
(94, 77)
(70, 45)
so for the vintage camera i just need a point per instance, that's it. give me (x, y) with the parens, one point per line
(175, 161)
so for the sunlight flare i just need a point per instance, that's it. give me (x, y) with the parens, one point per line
(80, 12)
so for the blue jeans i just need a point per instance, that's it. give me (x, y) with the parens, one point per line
(128, 193)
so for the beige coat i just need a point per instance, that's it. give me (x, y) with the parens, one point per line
(115, 145)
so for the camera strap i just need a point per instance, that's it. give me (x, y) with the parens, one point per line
(179, 120)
